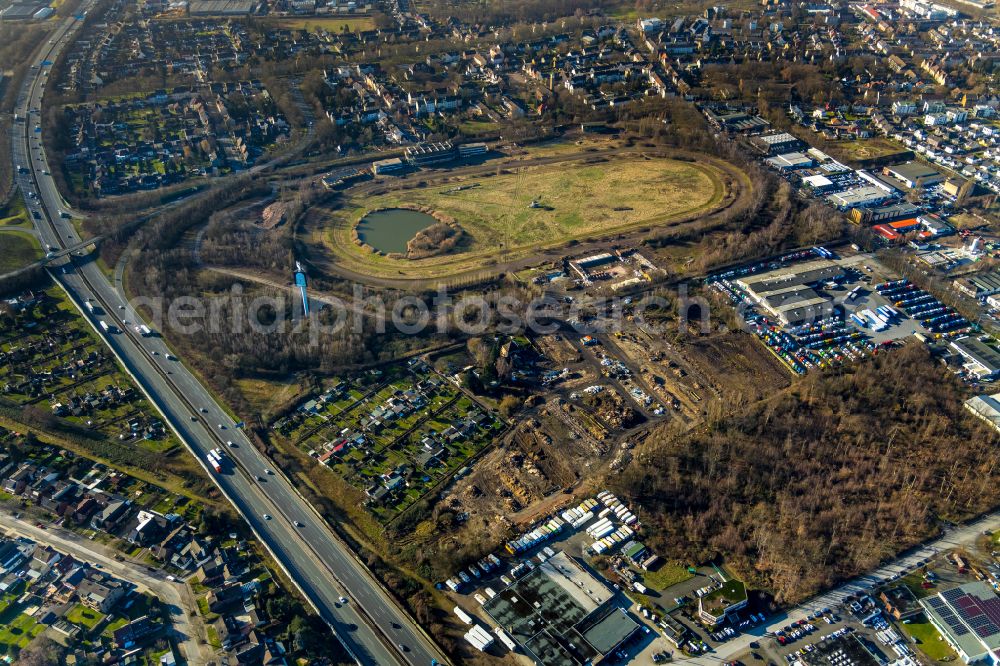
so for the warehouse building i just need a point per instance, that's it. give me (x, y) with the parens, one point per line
(430, 153)
(776, 144)
(986, 407)
(913, 174)
(849, 649)
(221, 7)
(787, 293)
(980, 285)
(562, 615)
(387, 165)
(858, 197)
(980, 358)
(790, 161)
(968, 618)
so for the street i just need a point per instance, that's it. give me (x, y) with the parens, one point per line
(176, 596)
(371, 625)
(953, 537)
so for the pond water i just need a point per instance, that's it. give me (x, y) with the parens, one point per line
(390, 230)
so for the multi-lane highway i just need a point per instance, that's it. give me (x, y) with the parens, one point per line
(364, 617)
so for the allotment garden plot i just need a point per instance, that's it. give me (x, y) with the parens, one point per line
(52, 362)
(393, 436)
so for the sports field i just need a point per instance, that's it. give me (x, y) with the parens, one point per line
(526, 209)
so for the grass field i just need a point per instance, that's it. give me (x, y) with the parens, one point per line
(666, 576)
(14, 214)
(330, 24)
(930, 641)
(864, 149)
(17, 250)
(576, 200)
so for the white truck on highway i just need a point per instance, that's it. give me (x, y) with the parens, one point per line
(105, 327)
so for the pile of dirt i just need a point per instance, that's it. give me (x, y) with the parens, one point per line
(611, 408)
(274, 215)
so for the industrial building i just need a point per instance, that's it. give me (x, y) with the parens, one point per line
(430, 153)
(787, 293)
(979, 285)
(913, 174)
(968, 618)
(980, 358)
(848, 649)
(472, 149)
(585, 267)
(222, 7)
(903, 210)
(730, 597)
(790, 161)
(387, 166)
(776, 144)
(986, 407)
(857, 197)
(562, 615)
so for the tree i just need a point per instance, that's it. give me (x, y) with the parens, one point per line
(42, 651)
(509, 405)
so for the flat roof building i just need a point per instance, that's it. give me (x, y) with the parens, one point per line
(776, 144)
(849, 649)
(986, 407)
(913, 174)
(561, 614)
(786, 294)
(387, 165)
(790, 161)
(430, 153)
(221, 7)
(979, 285)
(867, 195)
(981, 359)
(968, 618)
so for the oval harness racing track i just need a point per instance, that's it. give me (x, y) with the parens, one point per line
(324, 234)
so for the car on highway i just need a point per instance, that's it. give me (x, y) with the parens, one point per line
(203, 410)
(222, 427)
(267, 471)
(267, 516)
(402, 648)
(297, 523)
(230, 443)
(342, 600)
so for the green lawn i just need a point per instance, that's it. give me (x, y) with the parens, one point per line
(17, 250)
(14, 213)
(84, 617)
(20, 631)
(478, 127)
(929, 640)
(528, 208)
(213, 637)
(914, 581)
(666, 576)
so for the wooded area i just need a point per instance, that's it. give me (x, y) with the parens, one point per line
(822, 481)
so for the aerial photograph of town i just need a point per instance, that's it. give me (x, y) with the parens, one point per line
(521, 332)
